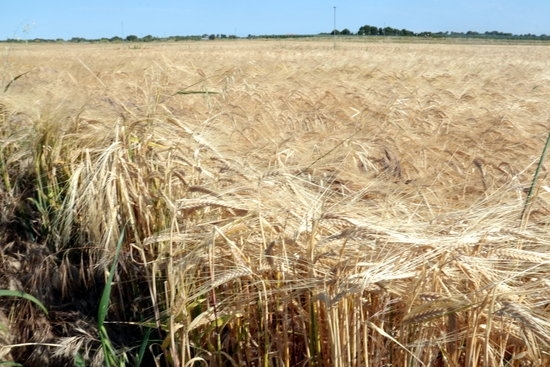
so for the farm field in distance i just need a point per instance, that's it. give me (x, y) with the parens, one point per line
(275, 203)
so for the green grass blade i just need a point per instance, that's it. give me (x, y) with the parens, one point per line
(106, 295)
(11, 364)
(143, 347)
(108, 349)
(79, 361)
(28, 297)
(535, 178)
(111, 358)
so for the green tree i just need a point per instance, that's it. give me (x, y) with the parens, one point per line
(132, 38)
(389, 31)
(368, 30)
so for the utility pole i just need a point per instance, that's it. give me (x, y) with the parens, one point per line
(334, 28)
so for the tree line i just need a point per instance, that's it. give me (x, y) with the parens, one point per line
(129, 38)
(365, 30)
(368, 30)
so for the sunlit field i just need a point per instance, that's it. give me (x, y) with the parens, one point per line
(275, 203)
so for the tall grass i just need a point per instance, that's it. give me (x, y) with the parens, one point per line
(298, 206)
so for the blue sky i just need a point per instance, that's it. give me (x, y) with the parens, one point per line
(25, 19)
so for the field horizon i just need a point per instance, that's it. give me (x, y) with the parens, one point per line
(275, 203)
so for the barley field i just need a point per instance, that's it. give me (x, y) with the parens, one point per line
(275, 203)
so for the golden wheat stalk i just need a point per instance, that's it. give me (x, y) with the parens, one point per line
(435, 309)
(194, 204)
(538, 326)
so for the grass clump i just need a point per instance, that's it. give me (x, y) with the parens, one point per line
(304, 213)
